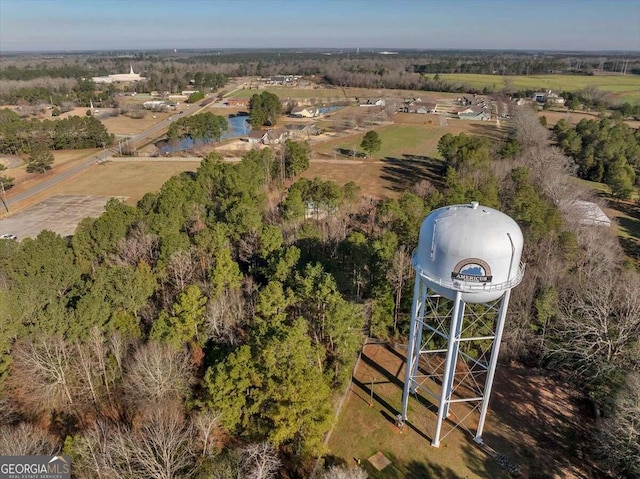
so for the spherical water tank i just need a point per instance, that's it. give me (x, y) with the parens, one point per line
(469, 248)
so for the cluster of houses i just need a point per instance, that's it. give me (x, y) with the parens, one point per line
(281, 80)
(416, 105)
(476, 108)
(276, 136)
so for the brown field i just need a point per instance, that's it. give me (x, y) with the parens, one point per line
(132, 180)
(340, 94)
(573, 118)
(414, 119)
(368, 175)
(123, 125)
(530, 417)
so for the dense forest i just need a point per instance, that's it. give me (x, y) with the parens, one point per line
(217, 320)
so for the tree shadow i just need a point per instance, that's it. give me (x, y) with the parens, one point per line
(410, 169)
(350, 153)
(554, 423)
(410, 470)
(487, 129)
(63, 424)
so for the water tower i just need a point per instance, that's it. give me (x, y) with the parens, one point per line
(466, 263)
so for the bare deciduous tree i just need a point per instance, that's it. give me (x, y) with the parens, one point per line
(423, 188)
(162, 446)
(224, 314)
(139, 245)
(41, 377)
(397, 275)
(180, 270)
(206, 422)
(157, 372)
(528, 130)
(620, 434)
(85, 363)
(598, 322)
(25, 439)
(336, 472)
(259, 461)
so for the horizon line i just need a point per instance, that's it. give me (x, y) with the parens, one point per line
(320, 49)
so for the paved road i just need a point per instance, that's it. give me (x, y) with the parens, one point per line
(82, 165)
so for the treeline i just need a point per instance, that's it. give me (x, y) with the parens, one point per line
(605, 151)
(20, 136)
(31, 72)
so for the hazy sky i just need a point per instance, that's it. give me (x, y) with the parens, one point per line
(151, 24)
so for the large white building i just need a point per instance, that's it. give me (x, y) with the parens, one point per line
(120, 77)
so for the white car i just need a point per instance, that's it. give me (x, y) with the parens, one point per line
(8, 237)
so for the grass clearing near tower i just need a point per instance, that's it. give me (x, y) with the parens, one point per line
(525, 412)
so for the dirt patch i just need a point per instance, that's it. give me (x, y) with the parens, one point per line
(573, 118)
(416, 119)
(367, 175)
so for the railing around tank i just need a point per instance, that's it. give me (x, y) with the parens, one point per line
(471, 287)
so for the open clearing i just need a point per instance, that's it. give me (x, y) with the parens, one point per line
(624, 88)
(123, 125)
(573, 118)
(339, 94)
(132, 180)
(401, 140)
(532, 419)
(61, 159)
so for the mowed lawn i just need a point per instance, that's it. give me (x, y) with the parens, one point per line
(397, 141)
(624, 88)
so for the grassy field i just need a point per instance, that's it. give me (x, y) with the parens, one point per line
(341, 94)
(400, 141)
(624, 88)
(123, 125)
(408, 155)
(133, 179)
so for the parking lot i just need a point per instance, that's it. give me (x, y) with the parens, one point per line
(60, 214)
